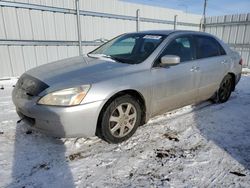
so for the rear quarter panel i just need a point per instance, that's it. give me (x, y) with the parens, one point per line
(235, 56)
(234, 59)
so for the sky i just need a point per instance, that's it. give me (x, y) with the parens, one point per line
(214, 7)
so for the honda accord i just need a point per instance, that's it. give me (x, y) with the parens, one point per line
(123, 83)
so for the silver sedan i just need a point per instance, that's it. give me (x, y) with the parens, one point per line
(121, 84)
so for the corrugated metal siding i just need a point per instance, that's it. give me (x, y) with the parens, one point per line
(30, 24)
(234, 30)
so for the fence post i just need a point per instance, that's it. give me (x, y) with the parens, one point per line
(79, 27)
(201, 25)
(137, 20)
(204, 25)
(175, 21)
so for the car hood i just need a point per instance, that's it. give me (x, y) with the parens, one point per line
(79, 70)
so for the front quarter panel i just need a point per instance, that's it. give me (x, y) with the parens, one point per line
(104, 90)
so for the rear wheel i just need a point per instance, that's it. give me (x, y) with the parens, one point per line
(120, 119)
(225, 89)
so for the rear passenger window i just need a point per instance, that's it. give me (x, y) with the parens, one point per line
(222, 51)
(208, 47)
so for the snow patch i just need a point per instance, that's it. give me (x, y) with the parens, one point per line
(204, 145)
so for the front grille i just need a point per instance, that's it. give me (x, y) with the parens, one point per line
(30, 86)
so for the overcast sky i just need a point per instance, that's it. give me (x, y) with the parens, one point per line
(214, 7)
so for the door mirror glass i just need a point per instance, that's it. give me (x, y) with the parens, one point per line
(170, 60)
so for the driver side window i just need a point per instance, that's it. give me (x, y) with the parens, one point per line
(182, 47)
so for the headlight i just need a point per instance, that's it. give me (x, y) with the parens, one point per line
(66, 97)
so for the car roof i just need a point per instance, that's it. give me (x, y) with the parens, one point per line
(168, 32)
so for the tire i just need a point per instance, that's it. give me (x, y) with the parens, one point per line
(120, 119)
(225, 90)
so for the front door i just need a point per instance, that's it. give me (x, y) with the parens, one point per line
(177, 85)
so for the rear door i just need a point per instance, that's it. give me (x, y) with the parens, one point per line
(177, 85)
(211, 61)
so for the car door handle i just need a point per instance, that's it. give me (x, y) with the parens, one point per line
(195, 69)
(224, 62)
(192, 69)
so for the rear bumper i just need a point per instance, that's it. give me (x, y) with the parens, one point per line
(76, 121)
(237, 79)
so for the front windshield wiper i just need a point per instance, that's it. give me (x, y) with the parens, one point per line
(98, 55)
(106, 56)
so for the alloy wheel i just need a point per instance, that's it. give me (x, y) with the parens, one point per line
(225, 89)
(122, 120)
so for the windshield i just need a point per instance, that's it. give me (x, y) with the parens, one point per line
(129, 48)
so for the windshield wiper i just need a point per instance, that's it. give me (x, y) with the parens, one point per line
(106, 56)
(97, 55)
(117, 59)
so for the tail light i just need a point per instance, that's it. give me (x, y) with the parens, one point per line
(241, 62)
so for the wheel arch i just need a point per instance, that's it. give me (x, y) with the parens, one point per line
(132, 92)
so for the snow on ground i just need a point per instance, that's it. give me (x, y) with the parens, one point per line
(207, 145)
(246, 70)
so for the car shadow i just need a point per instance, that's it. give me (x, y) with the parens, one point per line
(228, 125)
(39, 160)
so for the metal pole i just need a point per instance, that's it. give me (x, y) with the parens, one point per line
(175, 21)
(204, 14)
(138, 20)
(79, 27)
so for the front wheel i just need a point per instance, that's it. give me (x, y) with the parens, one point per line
(225, 89)
(120, 119)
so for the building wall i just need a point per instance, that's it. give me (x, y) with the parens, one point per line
(234, 30)
(35, 32)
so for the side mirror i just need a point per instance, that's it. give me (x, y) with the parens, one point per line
(170, 60)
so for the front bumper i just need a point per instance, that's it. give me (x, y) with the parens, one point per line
(75, 121)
